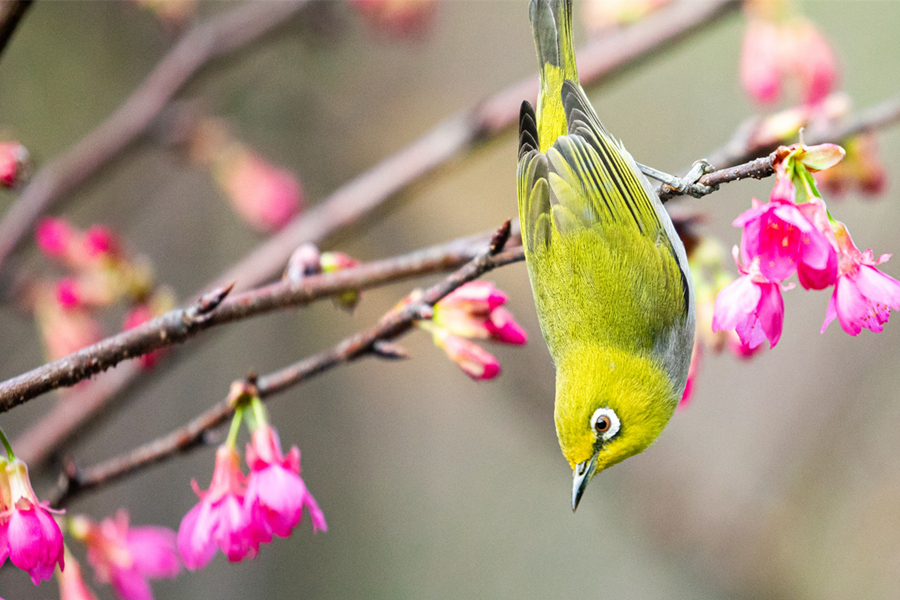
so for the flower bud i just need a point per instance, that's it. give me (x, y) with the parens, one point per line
(13, 164)
(264, 196)
(331, 262)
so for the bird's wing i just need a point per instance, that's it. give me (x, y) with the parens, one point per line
(534, 188)
(583, 203)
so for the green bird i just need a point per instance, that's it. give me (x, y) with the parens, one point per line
(609, 273)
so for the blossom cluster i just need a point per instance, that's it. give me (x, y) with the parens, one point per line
(794, 233)
(474, 311)
(98, 273)
(239, 513)
(307, 260)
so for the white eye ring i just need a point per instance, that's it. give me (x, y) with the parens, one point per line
(605, 423)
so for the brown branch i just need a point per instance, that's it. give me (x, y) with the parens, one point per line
(599, 60)
(212, 309)
(746, 147)
(203, 43)
(11, 13)
(393, 324)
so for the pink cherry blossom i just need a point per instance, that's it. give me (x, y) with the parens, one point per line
(474, 310)
(219, 519)
(784, 239)
(29, 535)
(276, 495)
(128, 557)
(863, 296)
(752, 306)
(475, 361)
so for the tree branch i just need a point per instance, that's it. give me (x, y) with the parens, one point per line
(213, 308)
(11, 13)
(600, 60)
(881, 115)
(203, 43)
(393, 324)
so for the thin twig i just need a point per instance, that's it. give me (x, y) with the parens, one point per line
(393, 324)
(203, 43)
(746, 147)
(598, 61)
(11, 13)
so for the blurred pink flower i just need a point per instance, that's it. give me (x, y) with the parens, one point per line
(55, 237)
(264, 196)
(219, 519)
(398, 17)
(752, 306)
(13, 163)
(127, 557)
(475, 361)
(760, 71)
(71, 582)
(29, 535)
(276, 495)
(774, 50)
(809, 56)
(783, 236)
(65, 328)
(100, 241)
(863, 295)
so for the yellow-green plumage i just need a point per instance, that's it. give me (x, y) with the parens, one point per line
(608, 271)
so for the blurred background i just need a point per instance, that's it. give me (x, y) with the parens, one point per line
(780, 480)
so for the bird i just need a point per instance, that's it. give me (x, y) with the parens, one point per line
(609, 274)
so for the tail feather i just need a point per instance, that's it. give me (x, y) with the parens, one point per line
(551, 23)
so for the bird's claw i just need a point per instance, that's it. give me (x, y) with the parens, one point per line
(687, 185)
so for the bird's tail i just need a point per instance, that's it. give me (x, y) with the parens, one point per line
(551, 22)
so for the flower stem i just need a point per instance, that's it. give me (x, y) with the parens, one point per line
(6, 445)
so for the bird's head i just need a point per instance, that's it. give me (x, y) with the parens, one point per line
(610, 404)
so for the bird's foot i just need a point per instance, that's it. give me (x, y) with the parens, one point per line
(689, 183)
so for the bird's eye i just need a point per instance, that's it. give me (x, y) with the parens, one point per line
(605, 422)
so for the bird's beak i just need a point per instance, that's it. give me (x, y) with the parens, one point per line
(583, 472)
